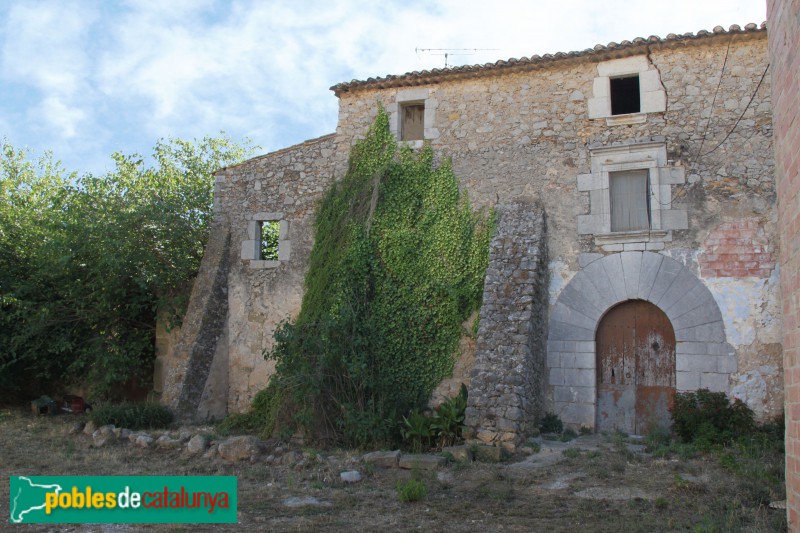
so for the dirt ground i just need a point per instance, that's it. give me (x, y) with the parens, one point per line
(593, 483)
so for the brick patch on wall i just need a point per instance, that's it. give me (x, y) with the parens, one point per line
(737, 249)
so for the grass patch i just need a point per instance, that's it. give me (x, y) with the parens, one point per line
(132, 415)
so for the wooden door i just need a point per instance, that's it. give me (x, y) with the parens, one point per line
(635, 346)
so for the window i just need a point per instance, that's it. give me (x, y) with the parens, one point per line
(625, 95)
(625, 90)
(412, 121)
(268, 230)
(412, 116)
(630, 196)
(267, 244)
(630, 205)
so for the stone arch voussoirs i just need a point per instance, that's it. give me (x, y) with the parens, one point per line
(703, 357)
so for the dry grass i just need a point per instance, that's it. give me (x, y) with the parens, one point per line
(473, 497)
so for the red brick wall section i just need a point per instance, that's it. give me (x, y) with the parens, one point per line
(737, 249)
(783, 24)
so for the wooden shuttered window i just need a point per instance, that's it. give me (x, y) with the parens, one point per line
(630, 200)
(413, 122)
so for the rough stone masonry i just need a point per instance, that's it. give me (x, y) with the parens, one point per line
(540, 131)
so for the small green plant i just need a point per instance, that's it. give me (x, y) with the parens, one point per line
(568, 435)
(551, 423)
(416, 430)
(262, 417)
(132, 415)
(585, 430)
(571, 453)
(618, 439)
(535, 447)
(448, 420)
(709, 418)
(661, 503)
(412, 490)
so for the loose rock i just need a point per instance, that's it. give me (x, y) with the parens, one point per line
(238, 448)
(351, 476)
(168, 443)
(197, 444)
(384, 459)
(144, 440)
(104, 436)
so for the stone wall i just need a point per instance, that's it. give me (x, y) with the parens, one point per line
(251, 297)
(524, 130)
(506, 393)
(535, 131)
(784, 44)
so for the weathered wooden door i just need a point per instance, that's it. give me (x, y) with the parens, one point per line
(635, 346)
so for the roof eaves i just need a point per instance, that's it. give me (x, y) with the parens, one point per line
(471, 71)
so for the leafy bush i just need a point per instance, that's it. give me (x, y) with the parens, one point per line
(416, 430)
(551, 423)
(448, 419)
(444, 427)
(132, 415)
(88, 263)
(708, 418)
(412, 490)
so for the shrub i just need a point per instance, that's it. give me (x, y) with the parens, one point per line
(551, 423)
(416, 430)
(444, 426)
(448, 420)
(132, 415)
(262, 417)
(709, 418)
(412, 490)
(568, 435)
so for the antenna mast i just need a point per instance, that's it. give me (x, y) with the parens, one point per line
(447, 52)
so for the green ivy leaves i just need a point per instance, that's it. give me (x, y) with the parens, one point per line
(388, 286)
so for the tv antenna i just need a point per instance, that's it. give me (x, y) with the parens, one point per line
(448, 52)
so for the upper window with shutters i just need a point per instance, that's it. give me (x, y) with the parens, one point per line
(630, 197)
(412, 116)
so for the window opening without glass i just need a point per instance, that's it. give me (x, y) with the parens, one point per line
(625, 95)
(269, 231)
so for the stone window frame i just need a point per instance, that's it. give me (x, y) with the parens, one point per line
(650, 156)
(251, 248)
(414, 96)
(652, 96)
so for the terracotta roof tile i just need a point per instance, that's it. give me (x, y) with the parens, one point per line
(467, 71)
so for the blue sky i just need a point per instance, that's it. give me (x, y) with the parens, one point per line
(86, 78)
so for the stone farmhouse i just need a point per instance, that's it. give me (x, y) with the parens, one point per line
(636, 248)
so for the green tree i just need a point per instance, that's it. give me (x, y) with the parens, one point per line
(87, 263)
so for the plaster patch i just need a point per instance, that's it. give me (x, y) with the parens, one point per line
(740, 300)
(560, 275)
(751, 388)
(684, 256)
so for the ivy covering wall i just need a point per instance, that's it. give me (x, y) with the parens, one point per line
(398, 264)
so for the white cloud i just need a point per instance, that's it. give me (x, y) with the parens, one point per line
(66, 119)
(116, 76)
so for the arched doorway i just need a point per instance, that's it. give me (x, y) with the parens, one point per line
(635, 347)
